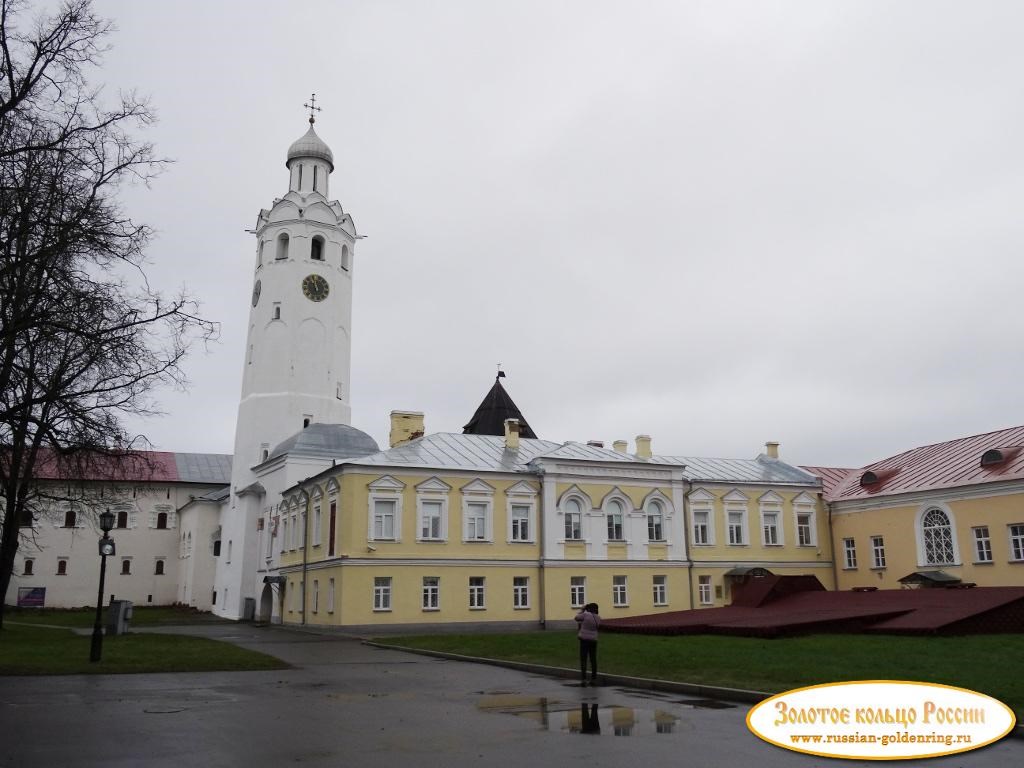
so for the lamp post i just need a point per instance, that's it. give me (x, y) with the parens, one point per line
(106, 548)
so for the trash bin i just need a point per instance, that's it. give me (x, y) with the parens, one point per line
(119, 614)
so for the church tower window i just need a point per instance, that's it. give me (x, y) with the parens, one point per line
(315, 179)
(345, 258)
(317, 250)
(282, 246)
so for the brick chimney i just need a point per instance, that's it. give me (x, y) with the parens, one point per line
(405, 426)
(512, 434)
(772, 450)
(643, 446)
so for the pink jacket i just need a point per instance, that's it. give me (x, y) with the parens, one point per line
(589, 622)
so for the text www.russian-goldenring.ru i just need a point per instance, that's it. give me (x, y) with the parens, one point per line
(885, 740)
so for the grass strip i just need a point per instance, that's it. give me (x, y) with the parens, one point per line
(142, 616)
(28, 650)
(980, 663)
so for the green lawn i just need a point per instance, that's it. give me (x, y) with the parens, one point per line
(26, 650)
(143, 616)
(982, 663)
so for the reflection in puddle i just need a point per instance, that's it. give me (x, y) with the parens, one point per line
(553, 715)
(706, 704)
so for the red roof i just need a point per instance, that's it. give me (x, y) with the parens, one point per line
(134, 466)
(942, 465)
(831, 478)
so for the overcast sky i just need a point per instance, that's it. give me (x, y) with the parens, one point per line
(716, 223)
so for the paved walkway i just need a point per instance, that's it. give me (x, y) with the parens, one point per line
(346, 702)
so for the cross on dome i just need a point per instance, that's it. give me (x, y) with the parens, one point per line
(312, 107)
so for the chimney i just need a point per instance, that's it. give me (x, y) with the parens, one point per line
(512, 434)
(643, 446)
(772, 450)
(595, 443)
(405, 426)
(620, 446)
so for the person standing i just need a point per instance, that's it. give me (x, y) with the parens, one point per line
(588, 621)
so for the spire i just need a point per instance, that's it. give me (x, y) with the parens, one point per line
(490, 415)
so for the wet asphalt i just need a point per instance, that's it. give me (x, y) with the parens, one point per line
(344, 703)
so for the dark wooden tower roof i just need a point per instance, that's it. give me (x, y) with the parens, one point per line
(490, 415)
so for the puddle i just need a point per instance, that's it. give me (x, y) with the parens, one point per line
(705, 704)
(589, 719)
(162, 711)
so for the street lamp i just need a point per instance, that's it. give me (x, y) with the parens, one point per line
(106, 548)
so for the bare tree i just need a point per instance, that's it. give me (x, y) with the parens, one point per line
(84, 340)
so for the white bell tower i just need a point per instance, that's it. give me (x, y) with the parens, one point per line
(298, 351)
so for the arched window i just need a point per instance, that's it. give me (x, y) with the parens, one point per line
(655, 521)
(345, 257)
(937, 538)
(126, 567)
(259, 255)
(161, 520)
(70, 518)
(316, 177)
(122, 519)
(317, 249)
(282, 246)
(159, 568)
(613, 513)
(573, 519)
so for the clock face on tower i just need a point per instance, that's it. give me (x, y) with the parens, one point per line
(315, 288)
(256, 293)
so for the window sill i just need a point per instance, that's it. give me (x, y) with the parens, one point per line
(478, 608)
(849, 568)
(987, 562)
(382, 610)
(431, 610)
(773, 545)
(520, 608)
(431, 541)
(477, 541)
(878, 568)
(520, 541)
(661, 605)
(624, 605)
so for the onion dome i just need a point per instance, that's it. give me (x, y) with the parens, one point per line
(310, 145)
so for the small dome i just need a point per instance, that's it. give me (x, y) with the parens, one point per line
(328, 441)
(310, 145)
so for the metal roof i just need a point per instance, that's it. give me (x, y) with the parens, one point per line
(951, 464)
(487, 453)
(310, 145)
(203, 467)
(136, 466)
(445, 450)
(761, 470)
(329, 441)
(831, 478)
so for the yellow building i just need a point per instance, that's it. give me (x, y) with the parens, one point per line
(463, 530)
(933, 516)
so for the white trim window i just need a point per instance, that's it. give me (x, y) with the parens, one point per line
(849, 554)
(476, 593)
(655, 520)
(577, 591)
(736, 518)
(317, 521)
(432, 510)
(704, 590)
(385, 509)
(284, 534)
(573, 511)
(770, 505)
(382, 593)
(520, 518)
(521, 510)
(620, 598)
(431, 593)
(805, 527)
(430, 514)
(770, 535)
(736, 527)
(877, 552)
(477, 511)
(385, 516)
(982, 544)
(659, 585)
(702, 526)
(614, 511)
(476, 520)
(1016, 532)
(520, 592)
(937, 537)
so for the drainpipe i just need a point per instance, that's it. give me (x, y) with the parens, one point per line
(831, 543)
(540, 541)
(305, 553)
(686, 536)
